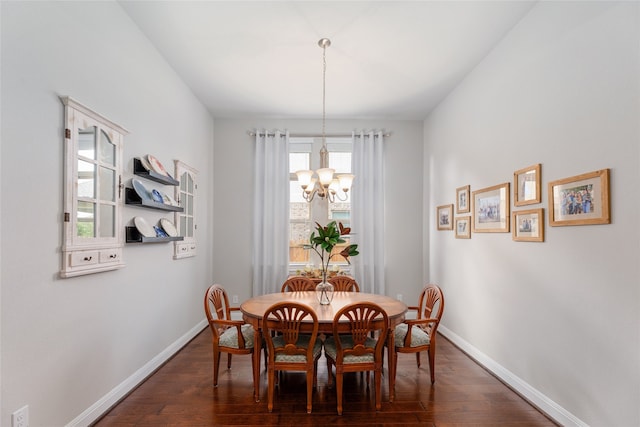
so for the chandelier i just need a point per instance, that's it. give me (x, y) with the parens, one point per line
(322, 182)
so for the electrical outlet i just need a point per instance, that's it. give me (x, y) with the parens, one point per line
(399, 297)
(234, 299)
(20, 418)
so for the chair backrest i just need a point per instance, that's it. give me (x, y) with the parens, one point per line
(298, 283)
(363, 318)
(286, 318)
(216, 306)
(431, 306)
(344, 283)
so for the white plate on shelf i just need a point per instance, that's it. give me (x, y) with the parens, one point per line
(145, 163)
(140, 189)
(169, 227)
(143, 227)
(168, 200)
(156, 165)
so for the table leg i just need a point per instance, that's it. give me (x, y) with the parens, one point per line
(257, 351)
(391, 354)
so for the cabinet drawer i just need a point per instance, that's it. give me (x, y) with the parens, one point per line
(110, 255)
(84, 258)
(185, 250)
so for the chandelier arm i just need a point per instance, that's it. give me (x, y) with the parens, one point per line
(340, 198)
(309, 196)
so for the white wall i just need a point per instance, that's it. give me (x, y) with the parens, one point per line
(562, 89)
(233, 178)
(66, 344)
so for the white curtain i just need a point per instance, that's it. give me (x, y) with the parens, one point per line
(367, 211)
(271, 212)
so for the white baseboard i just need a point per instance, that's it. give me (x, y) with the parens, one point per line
(92, 413)
(535, 397)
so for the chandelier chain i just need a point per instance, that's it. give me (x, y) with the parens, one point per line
(324, 77)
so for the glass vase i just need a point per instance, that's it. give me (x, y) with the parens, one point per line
(324, 290)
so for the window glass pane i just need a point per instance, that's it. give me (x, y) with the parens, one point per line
(86, 219)
(298, 161)
(183, 225)
(189, 226)
(107, 184)
(341, 162)
(299, 233)
(86, 179)
(107, 221)
(189, 184)
(189, 207)
(107, 149)
(183, 181)
(87, 142)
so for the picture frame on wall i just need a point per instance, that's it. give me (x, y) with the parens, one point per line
(580, 199)
(528, 225)
(463, 227)
(462, 199)
(444, 215)
(491, 208)
(526, 186)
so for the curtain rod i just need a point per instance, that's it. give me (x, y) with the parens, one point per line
(314, 135)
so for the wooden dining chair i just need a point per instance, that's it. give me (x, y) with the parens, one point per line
(352, 349)
(229, 336)
(298, 283)
(417, 335)
(288, 349)
(344, 283)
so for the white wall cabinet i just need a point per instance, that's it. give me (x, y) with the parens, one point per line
(186, 220)
(93, 238)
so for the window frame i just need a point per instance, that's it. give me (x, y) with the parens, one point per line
(320, 209)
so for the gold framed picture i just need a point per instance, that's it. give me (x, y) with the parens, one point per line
(491, 209)
(580, 200)
(526, 186)
(528, 225)
(444, 215)
(462, 199)
(463, 227)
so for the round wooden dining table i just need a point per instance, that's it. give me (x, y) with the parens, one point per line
(254, 308)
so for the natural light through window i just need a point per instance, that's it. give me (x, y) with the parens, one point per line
(304, 153)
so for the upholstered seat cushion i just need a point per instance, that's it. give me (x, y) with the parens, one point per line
(347, 342)
(418, 336)
(303, 341)
(230, 337)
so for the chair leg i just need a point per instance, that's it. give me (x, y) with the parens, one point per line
(310, 381)
(315, 373)
(339, 390)
(271, 380)
(329, 374)
(378, 380)
(432, 362)
(228, 360)
(216, 366)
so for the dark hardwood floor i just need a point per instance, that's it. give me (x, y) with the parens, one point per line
(181, 393)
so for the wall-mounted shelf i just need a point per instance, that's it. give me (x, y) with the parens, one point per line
(132, 198)
(139, 170)
(134, 236)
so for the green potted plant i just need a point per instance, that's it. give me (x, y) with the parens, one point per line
(322, 243)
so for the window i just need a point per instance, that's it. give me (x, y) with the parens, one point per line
(304, 153)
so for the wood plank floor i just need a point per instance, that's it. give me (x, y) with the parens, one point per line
(181, 393)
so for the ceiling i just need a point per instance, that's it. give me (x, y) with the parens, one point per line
(388, 59)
